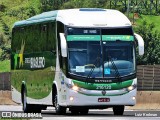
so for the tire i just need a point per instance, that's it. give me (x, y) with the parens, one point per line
(24, 102)
(59, 109)
(28, 108)
(118, 110)
(25, 106)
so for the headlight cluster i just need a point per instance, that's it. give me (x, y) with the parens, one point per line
(130, 88)
(73, 87)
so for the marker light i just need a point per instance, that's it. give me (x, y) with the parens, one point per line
(75, 88)
(71, 98)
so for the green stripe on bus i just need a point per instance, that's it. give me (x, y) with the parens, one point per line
(117, 37)
(94, 86)
(83, 38)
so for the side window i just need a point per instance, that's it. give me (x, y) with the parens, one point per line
(14, 35)
(29, 39)
(36, 39)
(51, 42)
(43, 40)
(44, 28)
(15, 40)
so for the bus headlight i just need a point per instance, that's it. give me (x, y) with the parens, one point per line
(75, 88)
(130, 88)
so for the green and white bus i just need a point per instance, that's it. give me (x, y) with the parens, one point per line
(79, 59)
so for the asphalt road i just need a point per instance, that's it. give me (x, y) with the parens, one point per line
(50, 114)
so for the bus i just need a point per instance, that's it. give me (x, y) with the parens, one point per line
(76, 60)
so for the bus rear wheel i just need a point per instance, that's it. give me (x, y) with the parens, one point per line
(118, 110)
(28, 108)
(59, 109)
(25, 106)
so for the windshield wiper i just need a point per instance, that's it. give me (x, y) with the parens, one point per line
(92, 69)
(116, 69)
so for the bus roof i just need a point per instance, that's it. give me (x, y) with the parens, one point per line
(41, 18)
(84, 17)
(93, 18)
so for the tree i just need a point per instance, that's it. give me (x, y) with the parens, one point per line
(85, 4)
(2, 7)
(152, 44)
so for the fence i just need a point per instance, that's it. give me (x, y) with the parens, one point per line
(5, 83)
(148, 78)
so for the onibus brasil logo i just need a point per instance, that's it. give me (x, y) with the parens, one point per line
(35, 62)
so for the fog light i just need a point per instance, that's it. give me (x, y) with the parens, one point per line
(71, 98)
(133, 98)
(75, 88)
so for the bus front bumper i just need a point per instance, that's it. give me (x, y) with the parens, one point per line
(75, 98)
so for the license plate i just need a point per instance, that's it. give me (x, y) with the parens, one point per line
(103, 99)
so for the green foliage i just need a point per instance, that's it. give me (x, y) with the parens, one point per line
(48, 5)
(10, 12)
(21, 13)
(5, 48)
(4, 66)
(84, 4)
(152, 44)
(150, 19)
(2, 7)
(147, 10)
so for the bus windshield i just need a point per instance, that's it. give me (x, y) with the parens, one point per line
(84, 56)
(95, 52)
(122, 54)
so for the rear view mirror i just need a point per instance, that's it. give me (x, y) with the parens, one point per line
(140, 43)
(63, 45)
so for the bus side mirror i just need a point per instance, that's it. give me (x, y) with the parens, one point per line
(140, 43)
(63, 45)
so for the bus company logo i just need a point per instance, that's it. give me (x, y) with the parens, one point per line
(35, 62)
(20, 56)
(103, 92)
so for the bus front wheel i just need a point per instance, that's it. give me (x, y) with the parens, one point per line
(118, 110)
(59, 109)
